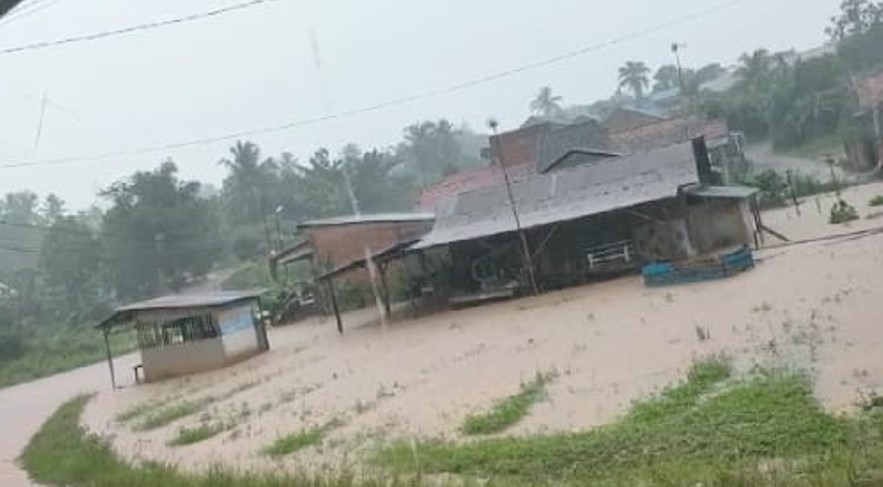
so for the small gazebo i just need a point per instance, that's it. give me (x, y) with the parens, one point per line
(185, 334)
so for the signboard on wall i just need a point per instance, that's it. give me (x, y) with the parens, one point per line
(236, 320)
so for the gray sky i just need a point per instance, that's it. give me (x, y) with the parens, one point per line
(260, 67)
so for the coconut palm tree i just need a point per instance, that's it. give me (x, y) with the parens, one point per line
(546, 104)
(247, 182)
(634, 75)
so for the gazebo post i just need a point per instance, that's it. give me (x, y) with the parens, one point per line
(113, 381)
(330, 284)
(384, 287)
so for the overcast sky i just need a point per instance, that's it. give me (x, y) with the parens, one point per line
(291, 60)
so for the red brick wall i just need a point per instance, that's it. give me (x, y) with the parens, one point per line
(520, 146)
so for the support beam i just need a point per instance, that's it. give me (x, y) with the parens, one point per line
(113, 380)
(330, 288)
(384, 288)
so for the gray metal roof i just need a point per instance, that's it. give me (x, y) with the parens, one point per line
(370, 218)
(179, 301)
(737, 192)
(565, 195)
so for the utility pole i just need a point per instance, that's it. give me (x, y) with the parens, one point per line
(525, 249)
(676, 48)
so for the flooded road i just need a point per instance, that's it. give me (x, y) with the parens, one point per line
(25, 407)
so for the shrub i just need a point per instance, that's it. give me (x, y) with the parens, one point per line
(842, 212)
(877, 200)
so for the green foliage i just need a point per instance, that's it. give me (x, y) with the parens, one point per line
(63, 453)
(546, 104)
(842, 212)
(36, 355)
(694, 429)
(70, 260)
(508, 411)
(189, 436)
(158, 233)
(772, 188)
(634, 76)
(168, 414)
(876, 200)
(288, 444)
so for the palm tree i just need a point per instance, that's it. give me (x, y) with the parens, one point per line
(546, 104)
(634, 76)
(246, 183)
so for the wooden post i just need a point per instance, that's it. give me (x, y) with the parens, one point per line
(113, 380)
(334, 306)
(384, 288)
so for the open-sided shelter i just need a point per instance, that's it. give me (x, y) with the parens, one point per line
(184, 334)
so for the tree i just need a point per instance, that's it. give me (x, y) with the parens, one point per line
(546, 104)
(666, 78)
(431, 149)
(246, 187)
(69, 260)
(634, 76)
(158, 233)
(856, 17)
(21, 208)
(710, 72)
(53, 208)
(755, 70)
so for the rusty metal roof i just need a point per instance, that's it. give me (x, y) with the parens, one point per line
(565, 195)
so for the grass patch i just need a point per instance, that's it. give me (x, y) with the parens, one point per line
(189, 436)
(286, 445)
(507, 411)
(703, 430)
(842, 212)
(169, 414)
(48, 352)
(876, 200)
(63, 453)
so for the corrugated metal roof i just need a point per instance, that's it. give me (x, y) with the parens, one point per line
(565, 195)
(179, 301)
(722, 191)
(218, 298)
(370, 218)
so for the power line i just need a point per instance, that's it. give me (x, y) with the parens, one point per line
(390, 103)
(134, 28)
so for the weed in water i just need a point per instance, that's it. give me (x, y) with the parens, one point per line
(188, 436)
(288, 444)
(876, 200)
(169, 414)
(842, 212)
(508, 411)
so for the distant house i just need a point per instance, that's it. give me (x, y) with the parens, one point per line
(610, 215)
(185, 334)
(630, 117)
(537, 145)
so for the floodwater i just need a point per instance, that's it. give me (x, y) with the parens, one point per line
(814, 306)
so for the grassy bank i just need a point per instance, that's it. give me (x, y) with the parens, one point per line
(44, 356)
(507, 411)
(710, 430)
